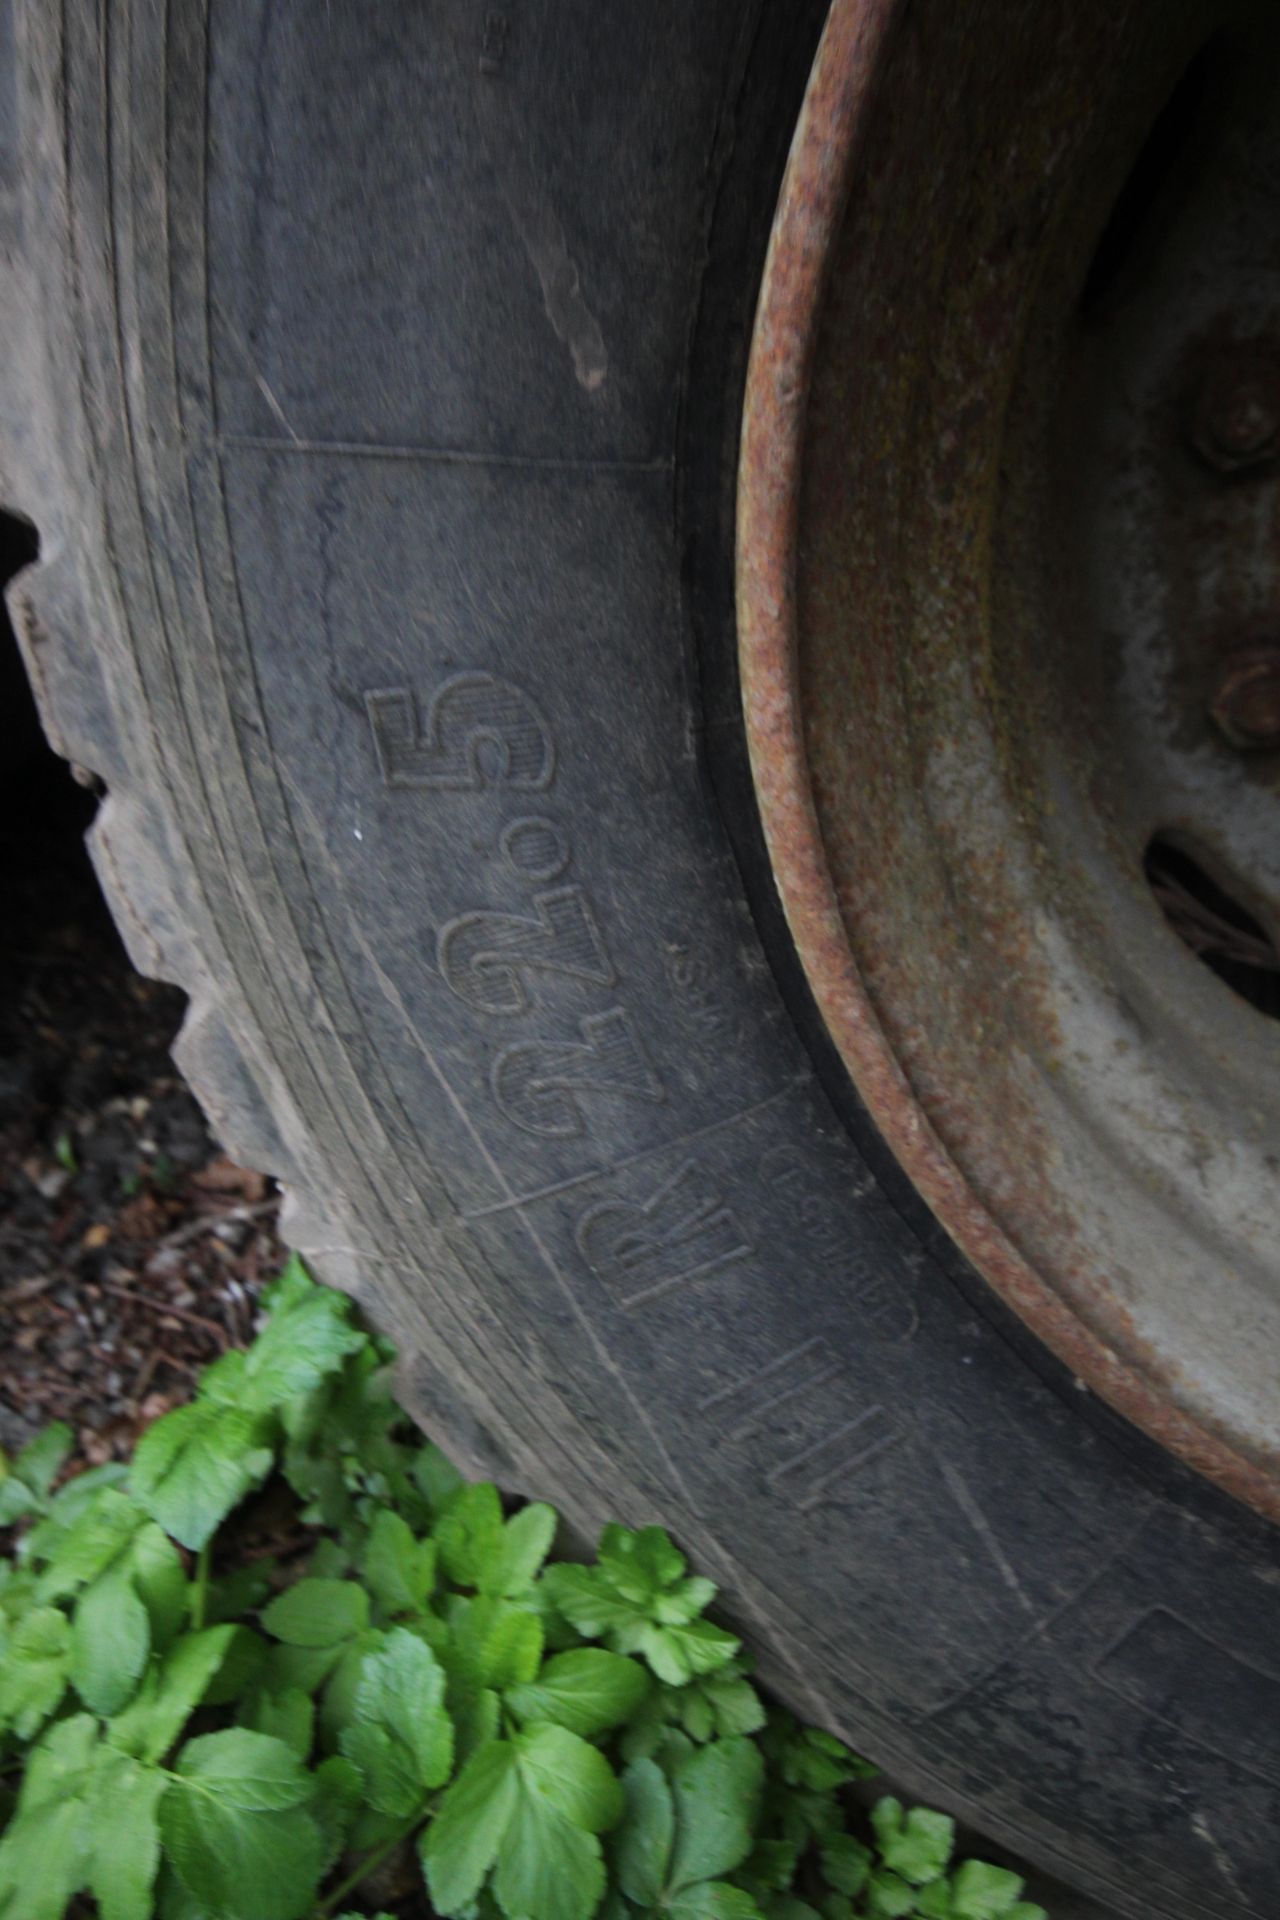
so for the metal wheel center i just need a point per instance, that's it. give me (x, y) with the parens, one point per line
(1009, 615)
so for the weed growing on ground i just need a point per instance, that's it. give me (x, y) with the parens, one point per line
(410, 1705)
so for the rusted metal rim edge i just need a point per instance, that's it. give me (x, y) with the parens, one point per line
(823, 159)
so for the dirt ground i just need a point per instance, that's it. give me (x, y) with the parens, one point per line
(131, 1250)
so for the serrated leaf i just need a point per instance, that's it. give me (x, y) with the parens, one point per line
(888, 1896)
(547, 1868)
(525, 1543)
(317, 1613)
(110, 1641)
(123, 1835)
(68, 1506)
(289, 1716)
(170, 1694)
(234, 1860)
(399, 1570)
(401, 1738)
(735, 1705)
(469, 1534)
(914, 1842)
(307, 1336)
(16, 1497)
(530, 1809)
(586, 1690)
(571, 1775)
(462, 1842)
(499, 1644)
(713, 1900)
(640, 1564)
(846, 1863)
(679, 1654)
(35, 1659)
(85, 1547)
(42, 1459)
(588, 1602)
(678, 1605)
(983, 1892)
(771, 1864)
(642, 1846)
(240, 1668)
(197, 1463)
(245, 1770)
(158, 1576)
(717, 1791)
(42, 1853)
(435, 1476)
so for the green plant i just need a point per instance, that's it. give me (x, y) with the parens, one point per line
(193, 1734)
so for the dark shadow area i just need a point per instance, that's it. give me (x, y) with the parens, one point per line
(131, 1251)
(1218, 930)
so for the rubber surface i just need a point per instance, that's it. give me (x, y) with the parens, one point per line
(374, 389)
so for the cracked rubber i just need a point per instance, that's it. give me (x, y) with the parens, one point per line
(373, 379)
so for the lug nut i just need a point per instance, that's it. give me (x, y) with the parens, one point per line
(1235, 422)
(1246, 706)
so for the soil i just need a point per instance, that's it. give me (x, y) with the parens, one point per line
(131, 1250)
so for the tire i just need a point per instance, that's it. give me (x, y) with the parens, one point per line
(374, 385)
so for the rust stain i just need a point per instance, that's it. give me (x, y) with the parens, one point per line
(1092, 1331)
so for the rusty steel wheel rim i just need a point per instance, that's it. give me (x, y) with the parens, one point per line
(1008, 585)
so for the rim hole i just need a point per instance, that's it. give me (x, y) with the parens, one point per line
(1170, 148)
(1214, 925)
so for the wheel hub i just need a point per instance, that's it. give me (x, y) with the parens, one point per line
(1009, 606)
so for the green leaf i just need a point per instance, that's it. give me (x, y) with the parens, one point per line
(234, 1825)
(983, 1892)
(588, 1602)
(642, 1563)
(498, 1643)
(110, 1640)
(170, 1694)
(642, 1845)
(717, 1792)
(525, 1543)
(67, 1507)
(402, 1738)
(585, 1690)
(548, 1868)
(157, 1571)
(889, 1896)
(469, 1534)
(462, 1841)
(236, 1861)
(308, 1335)
(571, 1775)
(530, 1809)
(42, 1854)
(318, 1613)
(435, 1476)
(915, 1843)
(679, 1654)
(97, 1534)
(240, 1668)
(123, 1835)
(399, 1570)
(289, 1716)
(735, 1705)
(197, 1463)
(713, 1900)
(244, 1769)
(845, 1864)
(42, 1459)
(35, 1659)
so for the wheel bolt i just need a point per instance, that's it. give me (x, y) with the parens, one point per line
(1246, 706)
(1236, 419)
